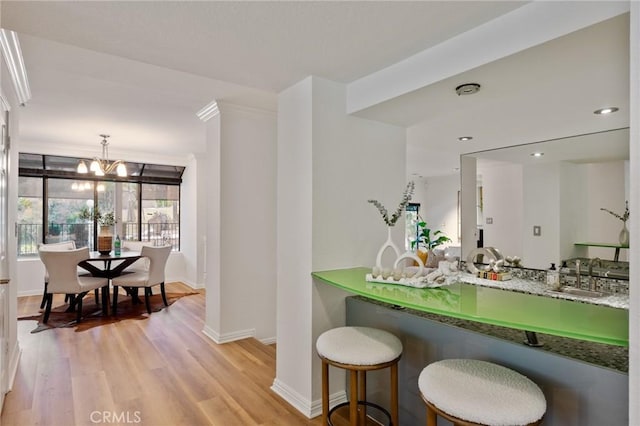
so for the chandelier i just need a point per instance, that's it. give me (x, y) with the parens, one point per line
(102, 166)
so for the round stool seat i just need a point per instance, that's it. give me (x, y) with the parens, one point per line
(482, 392)
(358, 346)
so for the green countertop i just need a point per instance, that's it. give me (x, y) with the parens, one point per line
(521, 311)
(608, 245)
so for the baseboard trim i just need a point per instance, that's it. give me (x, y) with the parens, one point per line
(307, 407)
(268, 341)
(188, 283)
(16, 353)
(227, 337)
(31, 292)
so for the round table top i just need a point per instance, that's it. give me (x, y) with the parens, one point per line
(128, 254)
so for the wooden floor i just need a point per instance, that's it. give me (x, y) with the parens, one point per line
(158, 371)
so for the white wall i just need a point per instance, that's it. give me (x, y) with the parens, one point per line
(241, 237)
(541, 194)
(606, 189)
(438, 198)
(192, 225)
(503, 200)
(329, 165)
(574, 223)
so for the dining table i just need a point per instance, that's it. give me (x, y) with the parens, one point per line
(113, 265)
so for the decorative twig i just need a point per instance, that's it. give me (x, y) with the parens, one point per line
(625, 215)
(406, 197)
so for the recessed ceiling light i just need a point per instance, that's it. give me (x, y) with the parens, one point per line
(467, 89)
(465, 138)
(607, 110)
(537, 154)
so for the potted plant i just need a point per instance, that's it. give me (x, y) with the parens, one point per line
(106, 222)
(107, 219)
(428, 241)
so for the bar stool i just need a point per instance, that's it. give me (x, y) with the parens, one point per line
(470, 392)
(358, 350)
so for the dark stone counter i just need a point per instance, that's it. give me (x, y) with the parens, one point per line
(610, 356)
(584, 383)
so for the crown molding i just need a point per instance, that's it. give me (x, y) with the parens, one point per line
(10, 46)
(209, 111)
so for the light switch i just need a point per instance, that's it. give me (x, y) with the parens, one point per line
(537, 230)
(489, 221)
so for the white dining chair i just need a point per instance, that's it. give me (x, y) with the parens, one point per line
(65, 245)
(142, 264)
(64, 279)
(146, 279)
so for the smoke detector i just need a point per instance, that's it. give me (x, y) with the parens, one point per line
(467, 89)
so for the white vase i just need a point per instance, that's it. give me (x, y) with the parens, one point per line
(386, 245)
(624, 235)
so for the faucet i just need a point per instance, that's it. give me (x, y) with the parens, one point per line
(592, 281)
(577, 273)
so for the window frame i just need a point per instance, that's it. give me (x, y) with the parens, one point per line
(41, 168)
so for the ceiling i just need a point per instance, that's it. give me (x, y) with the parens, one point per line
(140, 70)
(545, 92)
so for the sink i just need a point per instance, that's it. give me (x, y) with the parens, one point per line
(578, 292)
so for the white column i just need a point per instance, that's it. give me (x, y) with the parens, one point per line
(241, 237)
(212, 247)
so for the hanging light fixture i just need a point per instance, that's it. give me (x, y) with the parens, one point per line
(102, 166)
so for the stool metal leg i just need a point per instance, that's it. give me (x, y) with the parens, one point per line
(394, 394)
(325, 392)
(353, 398)
(363, 397)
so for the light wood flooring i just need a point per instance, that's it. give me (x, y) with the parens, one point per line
(158, 371)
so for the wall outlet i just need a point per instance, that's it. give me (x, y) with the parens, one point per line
(537, 230)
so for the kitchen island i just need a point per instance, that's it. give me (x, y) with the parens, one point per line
(581, 366)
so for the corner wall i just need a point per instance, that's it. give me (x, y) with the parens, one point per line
(329, 164)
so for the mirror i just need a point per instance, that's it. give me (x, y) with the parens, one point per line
(548, 207)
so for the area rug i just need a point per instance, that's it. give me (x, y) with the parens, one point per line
(92, 313)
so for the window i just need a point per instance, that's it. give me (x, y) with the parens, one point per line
(66, 199)
(52, 198)
(29, 217)
(130, 211)
(161, 213)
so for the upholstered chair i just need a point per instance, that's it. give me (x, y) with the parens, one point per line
(65, 245)
(142, 264)
(62, 267)
(146, 279)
